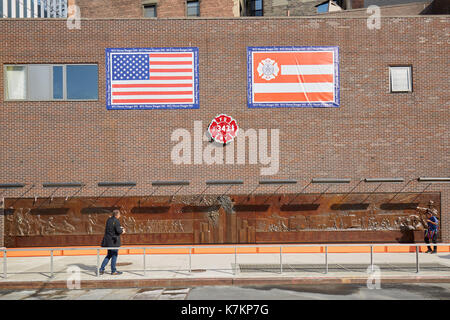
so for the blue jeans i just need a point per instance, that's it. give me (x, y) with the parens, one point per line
(112, 254)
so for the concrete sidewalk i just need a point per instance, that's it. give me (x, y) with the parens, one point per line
(219, 269)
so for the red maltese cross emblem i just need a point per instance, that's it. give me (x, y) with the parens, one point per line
(223, 129)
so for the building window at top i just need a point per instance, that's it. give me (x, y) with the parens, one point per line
(150, 11)
(322, 8)
(400, 79)
(51, 82)
(15, 77)
(255, 8)
(82, 82)
(193, 8)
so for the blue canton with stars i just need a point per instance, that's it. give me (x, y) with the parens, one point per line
(130, 67)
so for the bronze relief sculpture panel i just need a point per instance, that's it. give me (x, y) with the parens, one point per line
(265, 218)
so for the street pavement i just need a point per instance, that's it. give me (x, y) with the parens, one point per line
(388, 291)
(223, 266)
(258, 277)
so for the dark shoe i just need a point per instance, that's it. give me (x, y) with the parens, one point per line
(429, 251)
(433, 252)
(116, 273)
(101, 272)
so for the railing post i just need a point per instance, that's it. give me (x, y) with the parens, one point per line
(371, 258)
(417, 259)
(235, 261)
(326, 259)
(60, 8)
(42, 10)
(48, 9)
(144, 262)
(35, 9)
(190, 259)
(5, 9)
(51, 263)
(98, 262)
(281, 262)
(4, 264)
(13, 10)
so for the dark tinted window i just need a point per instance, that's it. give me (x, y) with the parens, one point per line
(193, 8)
(150, 11)
(82, 81)
(57, 82)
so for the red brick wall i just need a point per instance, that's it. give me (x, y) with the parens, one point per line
(216, 8)
(110, 8)
(372, 134)
(356, 4)
(165, 8)
(171, 8)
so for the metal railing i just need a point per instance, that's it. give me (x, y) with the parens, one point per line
(33, 8)
(323, 247)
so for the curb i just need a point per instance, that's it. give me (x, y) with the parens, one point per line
(195, 282)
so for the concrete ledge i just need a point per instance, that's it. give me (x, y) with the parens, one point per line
(195, 282)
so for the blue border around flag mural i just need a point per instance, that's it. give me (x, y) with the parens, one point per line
(194, 105)
(334, 104)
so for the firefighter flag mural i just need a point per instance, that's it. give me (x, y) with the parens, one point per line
(292, 77)
(152, 78)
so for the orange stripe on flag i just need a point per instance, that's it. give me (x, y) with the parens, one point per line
(294, 58)
(311, 78)
(293, 97)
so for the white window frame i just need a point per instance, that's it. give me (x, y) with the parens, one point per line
(27, 84)
(410, 78)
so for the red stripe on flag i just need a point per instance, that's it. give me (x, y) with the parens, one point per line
(150, 100)
(170, 55)
(294, 97)
(155, 63)
(170, 70)
(172, 78)
(135, 93)
(147, 85)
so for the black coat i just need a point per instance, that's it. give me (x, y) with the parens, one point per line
(112, 233)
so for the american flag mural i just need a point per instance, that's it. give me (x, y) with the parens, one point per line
(152, 78)
(292, 77)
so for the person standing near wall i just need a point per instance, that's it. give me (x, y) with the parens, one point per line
(113, 230)
(431, 233)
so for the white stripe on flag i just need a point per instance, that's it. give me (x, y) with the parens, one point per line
(172, 66)
(170, 74)
(307, 69)
(169, 59)
(293, 87)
